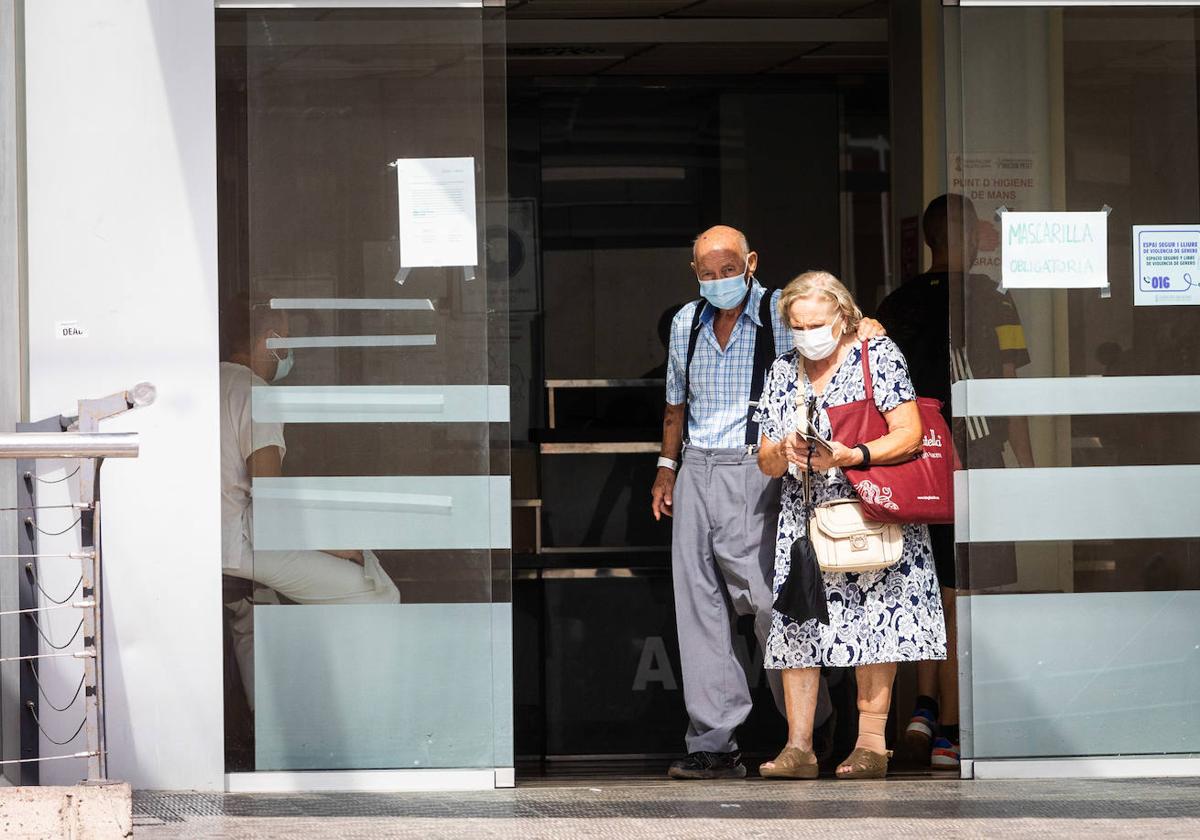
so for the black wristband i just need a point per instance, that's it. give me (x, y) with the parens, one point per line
(866, 453)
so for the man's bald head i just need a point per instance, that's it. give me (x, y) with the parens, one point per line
(721, 237)
(722, 251)
(951, 231)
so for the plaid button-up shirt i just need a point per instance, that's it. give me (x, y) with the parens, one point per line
(720, 379)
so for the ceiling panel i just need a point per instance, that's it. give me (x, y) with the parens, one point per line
(786, 8)
(703, 59)
(591, 8)
(568, 60)
(692, 8)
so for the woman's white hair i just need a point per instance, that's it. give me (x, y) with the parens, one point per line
(821, 284)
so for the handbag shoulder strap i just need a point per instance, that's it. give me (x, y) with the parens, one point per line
(866, 366)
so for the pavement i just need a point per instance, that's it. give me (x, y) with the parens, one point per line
(664, 810)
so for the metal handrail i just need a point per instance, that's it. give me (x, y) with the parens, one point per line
(92, 448)
(69, 445)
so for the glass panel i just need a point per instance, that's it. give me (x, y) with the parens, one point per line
(317, 663)
(1077, 425)
(1113, 673)
(362, 179)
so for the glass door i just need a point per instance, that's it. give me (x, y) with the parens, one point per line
(1077, 344)
(365, 383)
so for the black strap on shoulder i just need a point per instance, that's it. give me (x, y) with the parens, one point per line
(764, 357)
(693, 337)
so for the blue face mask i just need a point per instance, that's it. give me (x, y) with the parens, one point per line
(725, 293)
(283, 366)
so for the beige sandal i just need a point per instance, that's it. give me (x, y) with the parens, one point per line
(864, 764)
(792, 763)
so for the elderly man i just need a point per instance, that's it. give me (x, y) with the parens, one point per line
(725, 509)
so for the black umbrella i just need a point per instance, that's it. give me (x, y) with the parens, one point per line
(802, 595)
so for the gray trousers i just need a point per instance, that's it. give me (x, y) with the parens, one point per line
(723, 563)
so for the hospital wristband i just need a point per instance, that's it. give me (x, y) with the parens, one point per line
(664, 461)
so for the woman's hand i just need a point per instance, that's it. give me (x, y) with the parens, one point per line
(840, 457)
(795, 449)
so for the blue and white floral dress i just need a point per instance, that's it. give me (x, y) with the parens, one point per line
(889, 615)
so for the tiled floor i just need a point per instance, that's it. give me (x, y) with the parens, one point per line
(666, 811)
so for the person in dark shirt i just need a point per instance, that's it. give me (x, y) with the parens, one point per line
(989, 343)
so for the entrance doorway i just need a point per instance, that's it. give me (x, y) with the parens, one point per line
(632, 127)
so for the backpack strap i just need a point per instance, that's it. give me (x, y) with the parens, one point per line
(764, 357)
(693, 337)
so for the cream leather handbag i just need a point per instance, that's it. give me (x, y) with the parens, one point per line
(845, 541)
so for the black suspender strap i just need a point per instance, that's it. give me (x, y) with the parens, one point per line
(693, 337)
(764, 357)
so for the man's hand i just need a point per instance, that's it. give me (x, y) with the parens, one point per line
(870, 328)
(353, 556)
(661, 493)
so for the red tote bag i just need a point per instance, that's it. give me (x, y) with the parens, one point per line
(916, 491)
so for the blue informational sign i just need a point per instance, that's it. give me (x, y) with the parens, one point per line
(1166, 265)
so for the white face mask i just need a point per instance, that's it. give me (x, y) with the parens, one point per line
(816, 344)
(283, 364)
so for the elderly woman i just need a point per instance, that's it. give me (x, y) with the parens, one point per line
(876, 619)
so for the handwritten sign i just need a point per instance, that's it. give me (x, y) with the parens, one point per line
(69, 329)
(1054, 250)
(1166, 265)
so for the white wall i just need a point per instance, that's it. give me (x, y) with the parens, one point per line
(122, 237)
(10, 374)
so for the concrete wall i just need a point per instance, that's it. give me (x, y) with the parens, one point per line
(122, 238)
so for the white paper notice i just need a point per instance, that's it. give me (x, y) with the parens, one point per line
(1054, 250)
(69, 329)
(1166, 265)
(1014, 180)
(437, 212)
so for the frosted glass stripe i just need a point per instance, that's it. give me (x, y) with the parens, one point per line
(382, 512)
(1080, 503)
(1105, 673)
(361, 4)
(417, 304)
(1020, 4)
(309, 497)
(381, 404)
(351, 341)
(1047, 396)
(381, 686)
